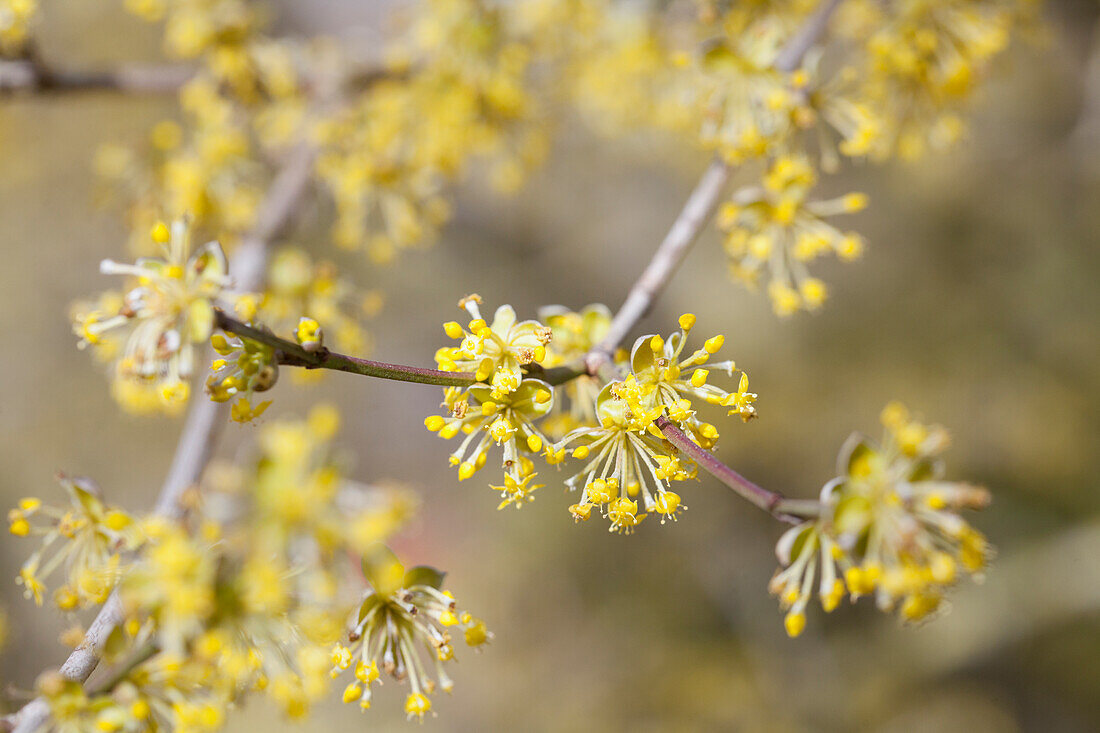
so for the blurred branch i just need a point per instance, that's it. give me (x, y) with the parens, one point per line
(685, 230)
(35, 76)
(697, 210)
(32, 74)
(201, 429)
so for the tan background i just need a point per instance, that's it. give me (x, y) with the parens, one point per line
(976, 304)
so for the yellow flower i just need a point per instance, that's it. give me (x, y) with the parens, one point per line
(84, 538)
(661, 378)
(402, 613)
(778, 229)
(486, 418)
(168, 310)
(627, 457)
(573, 336)
(497, 351)
(889, 527)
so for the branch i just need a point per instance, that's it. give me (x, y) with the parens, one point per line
(33, 75)
(200, 431)
(290, 353)
(774, 503)
(685, 230)
(696, 212)
(790, 56)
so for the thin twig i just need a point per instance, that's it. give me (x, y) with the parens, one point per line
(772, 502)
(290, 353)
(201, 429)
(293, 354)
(685, 230)
(790, 56)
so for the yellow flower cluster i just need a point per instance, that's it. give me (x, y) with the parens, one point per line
(486, 418)
(148, 333)
(776, 228)
(921, 61)
(612, 426)
(457, 92)
(86, 539)
(245, 597)
(495, 352)
(889, 528)
(660, 378)
(626, 455)
(244, 101)
(401, 612)
(16, 17)
(244, 367)
(905, 70)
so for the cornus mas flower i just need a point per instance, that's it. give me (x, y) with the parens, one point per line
(167, 311)
(744, 105)
(386, 186)
(244, 368)
(889, 527)
(496, 352)
(778, 229)
(625, 456)
(401, 612)
(573, 336)
(662, 377)
(922, 62)
(243, 597)
(86, 538)
(508, 420)
(859, 127)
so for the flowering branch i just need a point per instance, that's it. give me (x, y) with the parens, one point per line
(200, 432)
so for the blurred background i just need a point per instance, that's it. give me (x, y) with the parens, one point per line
(976, 304)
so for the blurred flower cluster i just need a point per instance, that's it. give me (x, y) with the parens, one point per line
(16, 17)
(895, 82)
(149, 333)
(249, 594)
(889, 527)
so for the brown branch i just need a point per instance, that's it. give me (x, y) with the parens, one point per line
(201, 429)
(290, 353)
(774, 503)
